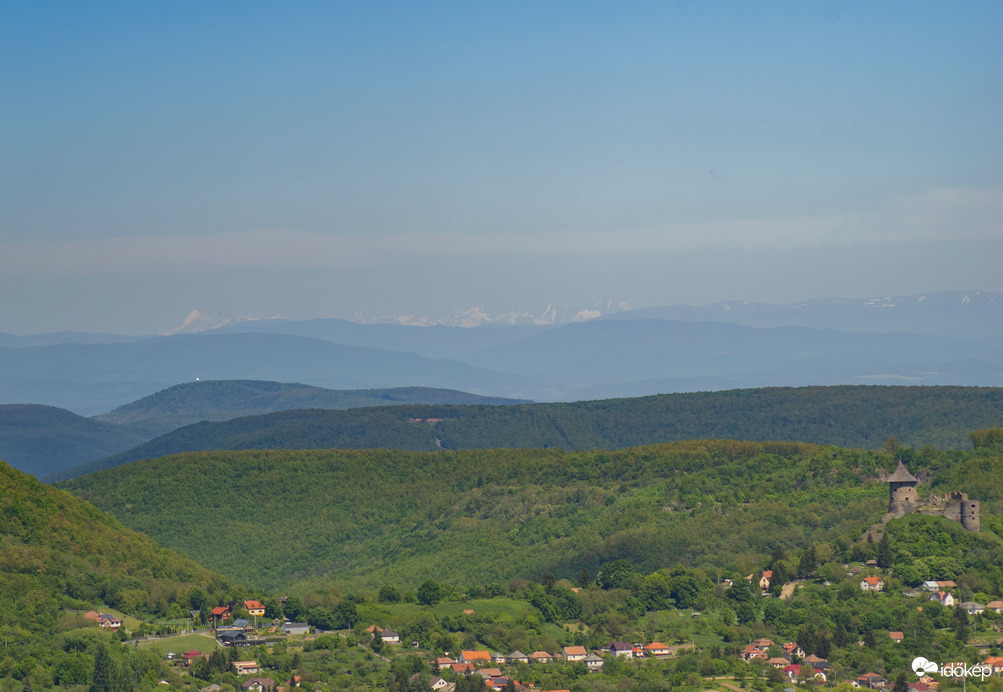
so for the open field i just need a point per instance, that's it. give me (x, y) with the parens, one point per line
(187, 642)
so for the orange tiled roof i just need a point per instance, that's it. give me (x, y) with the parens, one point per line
(477, 655)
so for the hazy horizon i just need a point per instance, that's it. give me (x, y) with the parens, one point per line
(327, 159)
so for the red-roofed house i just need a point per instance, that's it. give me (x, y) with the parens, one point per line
(189, 656)
(896, 636)
(656, 650)
(255, 608)
(792, 649)
(872, 584)
(943, 598)
(752, 652)
(474, 657)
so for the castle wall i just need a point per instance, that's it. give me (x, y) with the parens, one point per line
(903, 498)
(953, 511)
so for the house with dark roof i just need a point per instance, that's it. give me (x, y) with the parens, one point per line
(620, 649)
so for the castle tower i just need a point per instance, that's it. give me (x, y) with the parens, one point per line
(970, 514)
(902, 494)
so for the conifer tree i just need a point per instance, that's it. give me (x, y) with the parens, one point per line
(104, 674)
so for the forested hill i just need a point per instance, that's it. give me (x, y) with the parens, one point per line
(306, 520)
(848, 416)
(58, 552)
(42, 439)
(218, 400)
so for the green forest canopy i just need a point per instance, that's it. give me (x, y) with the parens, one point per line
(357, 518)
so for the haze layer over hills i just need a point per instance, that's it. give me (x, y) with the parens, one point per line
(942, 339)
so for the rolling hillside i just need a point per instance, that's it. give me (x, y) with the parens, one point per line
(91, 379)
(852, 416)
(358, 518)
(59, 552)
(42, 439)
(192, 402)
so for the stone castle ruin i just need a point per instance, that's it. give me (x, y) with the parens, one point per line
(904, 499)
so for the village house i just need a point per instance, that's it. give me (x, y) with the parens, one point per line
(792, 650)
(872, 584)
(574, 653)
(896, 637)
(752, 652)
(943, 598)
(255, 608)
(259, 684)
(191, 656)
(233, 638)
(973, 608)
(620, 649)
(995, 606)
(540, 657)
(109, 621)
(594, 662)
(474, 657)
(656, 650)
(942, 585)
(872, 681)
(817, 662)
(517, 657)
(996, 663)
(390, 637)
(437, 683)
(242, 624)
(245, 667)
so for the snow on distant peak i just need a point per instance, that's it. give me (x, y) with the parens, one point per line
(477, 316)
(197, 322)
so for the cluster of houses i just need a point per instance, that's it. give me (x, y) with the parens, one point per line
(242, 632)
(940, 592)
(809, 667)
(480, 662)
(925, 683)
(256, 684)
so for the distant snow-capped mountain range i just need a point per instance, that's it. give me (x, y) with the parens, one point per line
(975, 313)
(471, 317)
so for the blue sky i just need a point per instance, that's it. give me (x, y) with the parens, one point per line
(318, 159)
